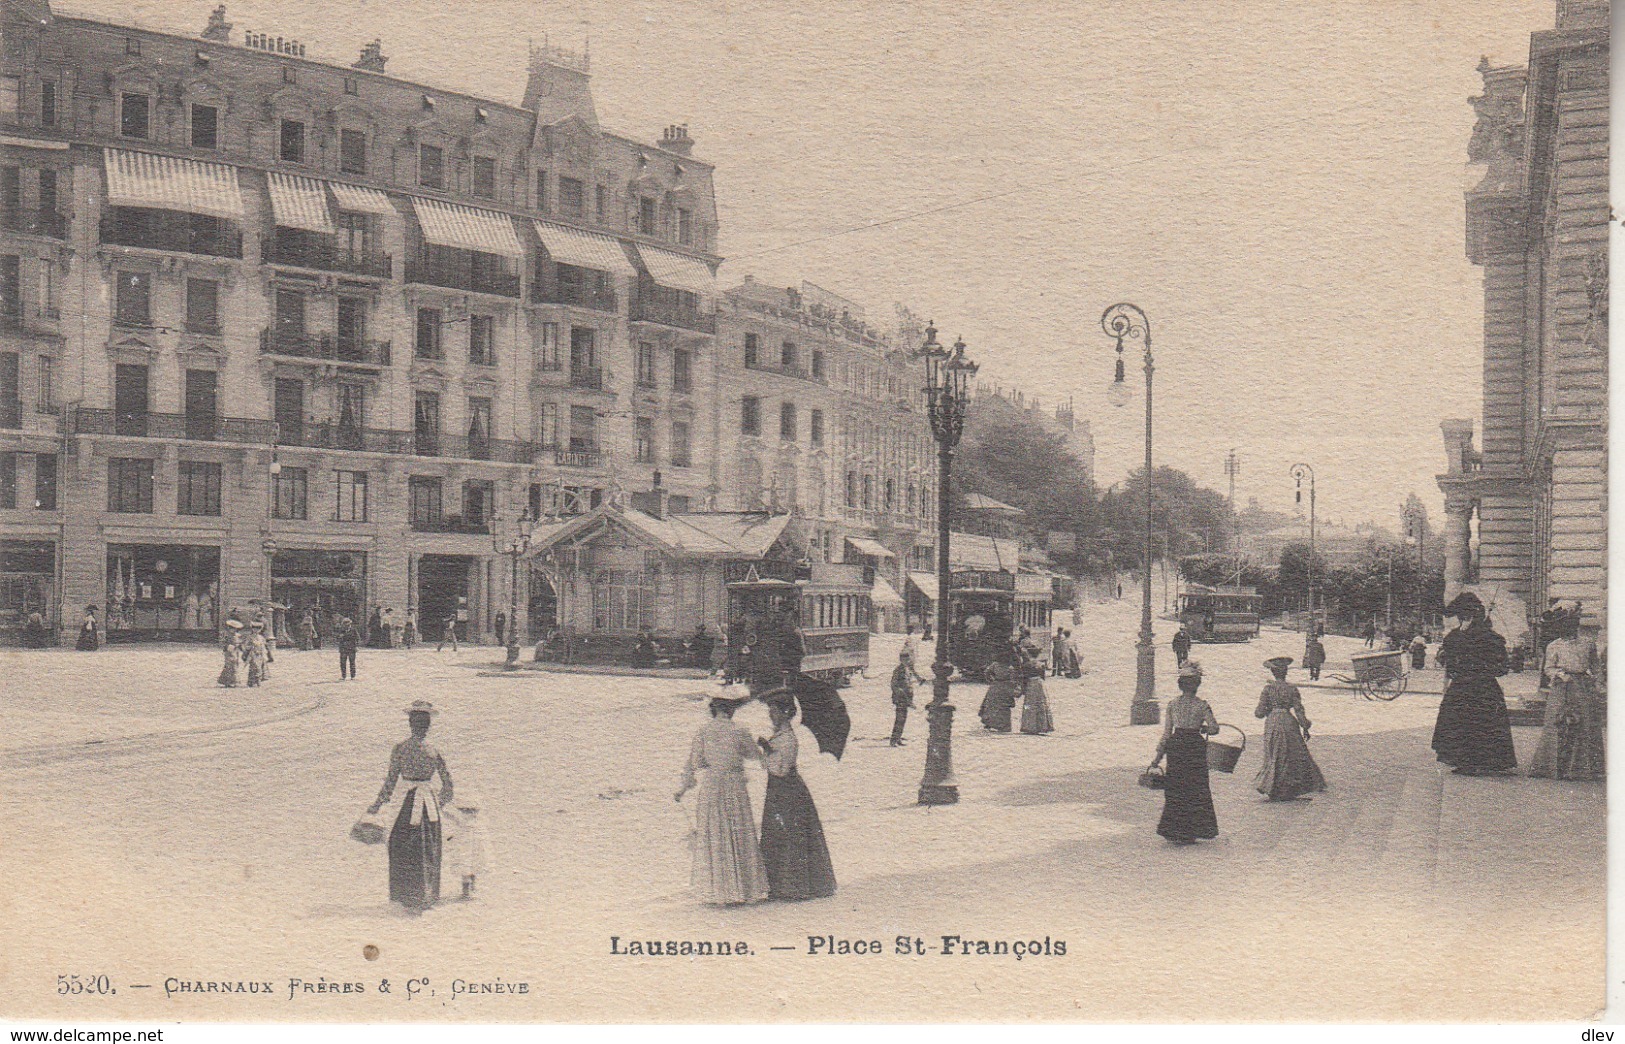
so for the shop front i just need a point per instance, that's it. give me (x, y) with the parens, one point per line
(28, 592)
(162, 592)
(326, 584)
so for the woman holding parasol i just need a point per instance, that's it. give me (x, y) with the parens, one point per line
(1473, 733)
(793, 846)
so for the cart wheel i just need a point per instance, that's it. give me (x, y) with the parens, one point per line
(1391, 688)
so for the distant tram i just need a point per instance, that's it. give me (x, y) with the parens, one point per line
(812, 619)
(1220, 614)
(981, 619)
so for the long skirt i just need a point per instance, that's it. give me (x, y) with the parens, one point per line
(1571, 742)
(1187, 802)
(728, 864)
(414, 859)
(1035, 718)
(256, 670)
(1289, 771)
(793, 847)
(228, 672)
(88, 641)
(1473, 732)
(997, 706)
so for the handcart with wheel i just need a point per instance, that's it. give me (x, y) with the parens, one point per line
(1378, 675)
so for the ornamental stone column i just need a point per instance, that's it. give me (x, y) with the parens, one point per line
(1458, 520)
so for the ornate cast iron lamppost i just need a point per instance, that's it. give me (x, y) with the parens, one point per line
(516, 546)
(1127, 322)
(1298, 471)
(947, 386)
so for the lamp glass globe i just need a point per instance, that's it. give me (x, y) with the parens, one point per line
(1119, 394)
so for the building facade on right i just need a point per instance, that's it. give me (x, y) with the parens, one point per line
(1537, 224)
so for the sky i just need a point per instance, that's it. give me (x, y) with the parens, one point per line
(1278, 184)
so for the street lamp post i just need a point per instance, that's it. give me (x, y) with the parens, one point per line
(947, 384)
(515, 547)
(1298, 471)
(1128, 322)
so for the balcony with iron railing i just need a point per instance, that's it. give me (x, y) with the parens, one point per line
(462, 275)
(450, 524)
(325, 347)
(578, 456)
(320, 253)
(34, 221)
(660, 308)
(599, 299)
(193, 427)
(590, 377)
(791, 370)
(172, 238)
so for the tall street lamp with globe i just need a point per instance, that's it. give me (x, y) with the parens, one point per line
(1126, 322)
(947, 391)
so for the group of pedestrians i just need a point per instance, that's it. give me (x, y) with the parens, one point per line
(246, 653)
(1019, 676)
(732, 864)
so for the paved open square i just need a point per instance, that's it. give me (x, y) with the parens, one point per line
(170, 829)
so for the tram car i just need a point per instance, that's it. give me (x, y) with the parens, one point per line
(1220, 614)
(806, 618)
(981, 619)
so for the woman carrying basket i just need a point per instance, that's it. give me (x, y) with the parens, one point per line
(1289, 771)
(1187, 809)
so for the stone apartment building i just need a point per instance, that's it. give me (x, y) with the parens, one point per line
(823, 417)
(1537, 224)
(278, 327)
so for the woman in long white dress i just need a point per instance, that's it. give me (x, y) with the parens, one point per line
(728, 867)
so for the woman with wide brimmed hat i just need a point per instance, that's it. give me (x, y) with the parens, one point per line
(793, 846)
(1473, 734)
(728, 867)
(231, 654)
(1289, 771)
(1187, 808)
(255, 653)
(415, 840)
(1572, 743)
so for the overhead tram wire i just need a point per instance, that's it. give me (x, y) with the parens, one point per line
(1050, 183)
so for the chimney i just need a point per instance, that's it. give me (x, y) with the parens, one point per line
(218, 28)
(660, 498)
(676, 139)
(372, 58)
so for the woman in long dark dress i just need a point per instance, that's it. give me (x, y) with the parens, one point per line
(1187, 808)
(1035, 715)
(90, 638)
(793, 846)
(1289, 771)
(1002, 691)
(415, 840)
(1473, 734)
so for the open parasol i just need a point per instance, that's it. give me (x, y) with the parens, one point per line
(823, 712)
(1508, 614)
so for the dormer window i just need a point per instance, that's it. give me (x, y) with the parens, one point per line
(288, 74)
(428, 103)
(431, 167)
(205, 127)
(135, 116)
(485, 177)
(132, 45)
(480, 115)
(292, 148)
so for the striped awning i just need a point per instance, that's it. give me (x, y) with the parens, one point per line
(468, 228)
(358, 200)
(300, 203)
(572, 246)
(678, 271)
(141, 179)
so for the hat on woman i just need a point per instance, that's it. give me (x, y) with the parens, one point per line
(1278, 661)
(422, 707)
(1192, 669)
(1464, 604)
(780, 698)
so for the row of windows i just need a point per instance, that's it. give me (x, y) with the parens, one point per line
(131, 482)
(750, 420)
(135, 122)
(789, 357)
(861, 493)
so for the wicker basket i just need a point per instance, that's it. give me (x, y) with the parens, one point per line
(1222, 757)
